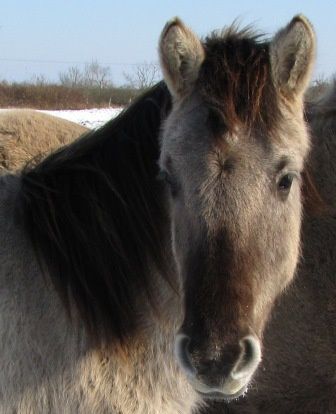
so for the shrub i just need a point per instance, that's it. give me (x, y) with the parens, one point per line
(53, 96)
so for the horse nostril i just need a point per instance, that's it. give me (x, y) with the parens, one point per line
(236, 362)
(182, 354)
(249, 358)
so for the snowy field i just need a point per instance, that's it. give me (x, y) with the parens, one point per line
(91, 118)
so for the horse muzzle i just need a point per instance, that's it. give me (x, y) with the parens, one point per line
(223, 374)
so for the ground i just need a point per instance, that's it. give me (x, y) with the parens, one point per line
(91, 118)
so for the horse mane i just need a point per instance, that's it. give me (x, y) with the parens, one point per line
(320, 113)
(321, 109)
(235, 80)
(93, 211)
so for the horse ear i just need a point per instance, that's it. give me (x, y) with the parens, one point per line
(181, 55)
(292, 54)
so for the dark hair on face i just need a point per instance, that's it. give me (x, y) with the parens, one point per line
(235, 80)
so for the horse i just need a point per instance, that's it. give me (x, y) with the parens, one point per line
(297, 372)
(137, 273)
(321, 116)
(26, 134)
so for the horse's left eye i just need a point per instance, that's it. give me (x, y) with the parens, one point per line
(168, 179)
(164, 176)
(285, 183)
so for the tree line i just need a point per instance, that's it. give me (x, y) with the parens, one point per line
(94, 74)
(77, 88)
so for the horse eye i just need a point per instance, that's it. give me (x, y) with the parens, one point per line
(163, 176)
(168, 179)
(285, 183)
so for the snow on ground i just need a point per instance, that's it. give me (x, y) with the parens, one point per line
(91, 118)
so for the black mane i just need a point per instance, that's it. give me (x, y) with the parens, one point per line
(93, 212)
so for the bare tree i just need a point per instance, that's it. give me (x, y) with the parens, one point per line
(72, 77)
(317, 88)
(39, 80)
(143, 76)
(97, 75)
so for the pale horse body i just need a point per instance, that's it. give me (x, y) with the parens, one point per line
(166, 307)
(297, 374)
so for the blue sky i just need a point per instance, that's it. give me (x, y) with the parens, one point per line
(47, 36)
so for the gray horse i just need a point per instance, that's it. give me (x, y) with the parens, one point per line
(122, 293)
(297, 374)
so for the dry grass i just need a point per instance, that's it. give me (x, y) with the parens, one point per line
(49, 96)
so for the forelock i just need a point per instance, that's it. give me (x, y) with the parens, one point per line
(235, 80)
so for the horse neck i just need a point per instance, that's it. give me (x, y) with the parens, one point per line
(95, 213)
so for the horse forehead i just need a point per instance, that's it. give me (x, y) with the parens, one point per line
(189, 137)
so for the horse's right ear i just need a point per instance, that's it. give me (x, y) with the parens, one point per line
(292, 57)
(181, 55)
